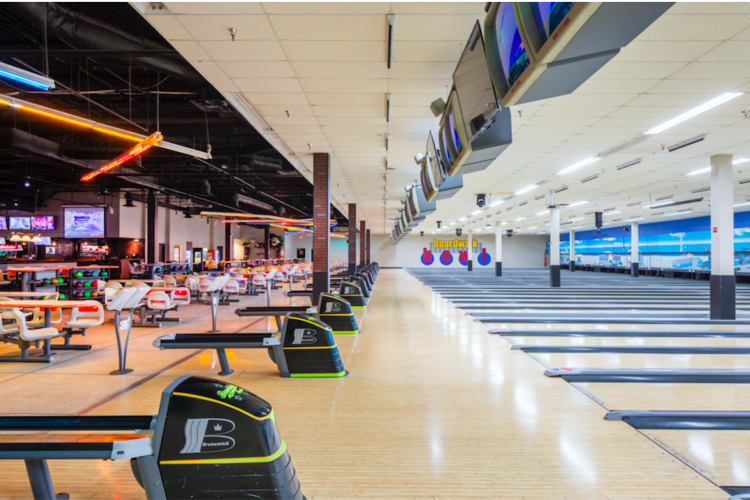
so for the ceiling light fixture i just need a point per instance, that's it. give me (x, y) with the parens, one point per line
(24, 77)
(496, 203)
(543, 212)
(576, 166)
(705, 170)
(743, 204)
(136, 150)
(519, 219)
(691, 113)
(526, 189)
(476, 212)
(577, 203)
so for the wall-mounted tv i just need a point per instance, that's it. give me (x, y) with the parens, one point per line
(43, 223)
(20, 223)
(3, 223)
(453, 136)
(84, 222)
(45, 240)
(436, 185)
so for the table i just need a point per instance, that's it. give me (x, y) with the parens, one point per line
(47, 306)
(24, 294)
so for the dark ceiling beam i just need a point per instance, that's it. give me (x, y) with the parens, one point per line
(83, 53)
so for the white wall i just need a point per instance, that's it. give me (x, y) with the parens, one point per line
(338, 250)
(518, 251)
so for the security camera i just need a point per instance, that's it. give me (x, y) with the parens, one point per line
(481, 200)
(509, 232)
(626, 228)
(458, 231)
(421, 233)
(438, 224)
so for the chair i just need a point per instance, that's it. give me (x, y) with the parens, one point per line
(180, 296)
(25, 337)
(88, 315)
(110, 290)
(230, 288)
(37, 319)
(126, 299)
(170, 280)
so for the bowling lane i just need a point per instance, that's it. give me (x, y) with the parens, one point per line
(722, 456)
(631, 341)
(640, 360)
(659, 396)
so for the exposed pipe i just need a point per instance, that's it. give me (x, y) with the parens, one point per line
(79, 29)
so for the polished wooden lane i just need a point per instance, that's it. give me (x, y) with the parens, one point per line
(434, 407)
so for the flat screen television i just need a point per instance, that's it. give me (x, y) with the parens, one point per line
(454, 136)
(473, 83)
(46, 240)
(20, 223)
(446, 150)
(84, 222)
(3, 223)
(43, 223)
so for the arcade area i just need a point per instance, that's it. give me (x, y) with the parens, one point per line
(374, 250)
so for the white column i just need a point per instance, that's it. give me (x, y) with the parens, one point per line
(469, 251)
(498, 252)
(722, 238)
(572, 252)
(554, 247)
(634, 255)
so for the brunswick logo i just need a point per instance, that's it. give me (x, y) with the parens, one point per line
(304, 336)
(333, 307)
(197, 441)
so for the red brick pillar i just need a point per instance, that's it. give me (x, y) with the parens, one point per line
(352, 238)
(152, 224)
(228, 243)
(362, 242)
(367, 251)
(266, 242)
(321, 217)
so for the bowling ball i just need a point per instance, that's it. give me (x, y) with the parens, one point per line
(45, 281)
(87, 274)
(94, 294)
(78, 295)
(157, 270)
(94, 283)
(78, 274)
(87, 294)
(63, 296)
(79, 284)
(103, 274)
(87, 284)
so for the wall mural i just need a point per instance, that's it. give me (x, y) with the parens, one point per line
(447, 248)
(681, 245)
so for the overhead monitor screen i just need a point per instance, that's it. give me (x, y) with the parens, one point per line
(513, 56)
(3, 223)
(20, 223)
(454, 132)
(444, 147)
(84, 222)
(43, 223)
(476, 94)
(433, 163)
(45, 240)
(548, 16)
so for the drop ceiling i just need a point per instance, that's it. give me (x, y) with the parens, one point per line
(313, 78)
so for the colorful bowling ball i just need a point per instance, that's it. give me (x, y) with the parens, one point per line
(94, 283)
(157, 270)
(78, 274)
(78, 295)
(45, 281)
(94, 294)
(87, 274)
(87, 294)
(103, 274)
(63, 296)
(79, 284)
(87, 284)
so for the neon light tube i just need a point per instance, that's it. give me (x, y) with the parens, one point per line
(137, 150)
(78, 121)
(24, 77)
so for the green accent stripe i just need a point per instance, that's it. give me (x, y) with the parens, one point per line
(346, 332)
(318, 375)
(359, 307)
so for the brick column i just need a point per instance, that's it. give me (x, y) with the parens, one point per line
(267, 242)
(321, 217)
(367, 248)
(362, 242)
(228, 242)
(152, 223)
(353, 238)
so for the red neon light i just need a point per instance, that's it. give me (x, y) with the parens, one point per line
(136, 150)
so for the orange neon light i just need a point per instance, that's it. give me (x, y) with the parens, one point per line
(136, 150)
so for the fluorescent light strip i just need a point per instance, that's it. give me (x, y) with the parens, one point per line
(691, 113)
(24, 77)
(476, 212)
(576, 166)
(496, 203)
(543, 212)
(526, 189)
(519, 219)
(577, 203)
(705, 170)
(613, 212)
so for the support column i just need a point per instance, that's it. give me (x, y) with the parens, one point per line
(469, 250)
(572, 253)
(722, 238)
(634, 250)
(267, 242)
(321, 217)
(228, 243)
(353, 239)
(498, 252)
(362, 242)
(367, 248)
(152, 223)
(554, 247)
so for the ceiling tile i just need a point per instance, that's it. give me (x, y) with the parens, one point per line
(326, 8)
(344, 85)
(214, 8)
(245, 51)
(169, 27)
(434, 27)
(251, 69)
(329, 27)
(216, 27)
(268, 84)
(424, 51)
(315, 50)
(324, 69)
(277, 98)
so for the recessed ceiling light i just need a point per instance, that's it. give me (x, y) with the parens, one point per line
(691, 113)
(476, 212)
(496, 203)
(577, 203)
(519, 219)
(526, 189)
(543, 212)
(613, 212)
(576, 166)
